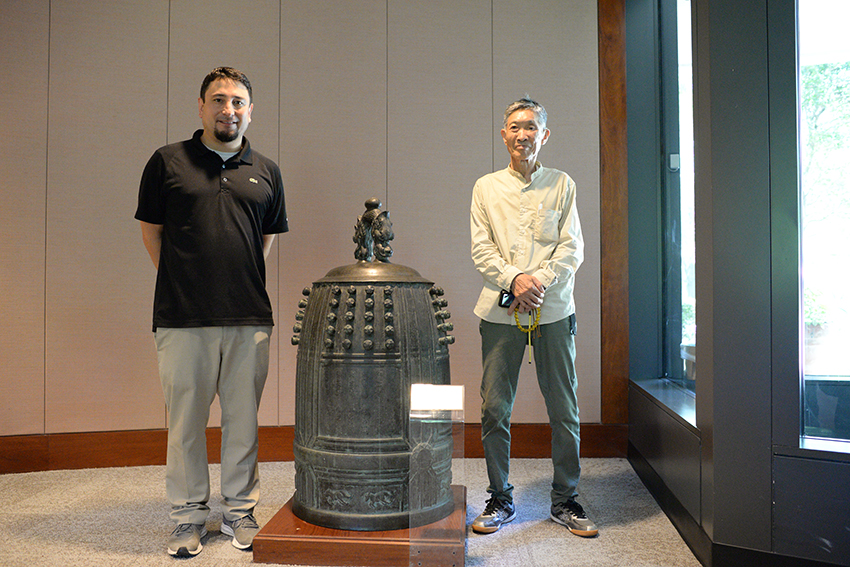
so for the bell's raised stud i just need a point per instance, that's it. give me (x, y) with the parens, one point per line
(365, 333)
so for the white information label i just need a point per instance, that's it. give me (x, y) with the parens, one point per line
(436, 397)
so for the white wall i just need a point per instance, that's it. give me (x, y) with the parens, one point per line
(396, 99)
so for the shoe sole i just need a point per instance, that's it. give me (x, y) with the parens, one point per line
(184, 552)
(227, 530)
(582, 533)
(486, 530)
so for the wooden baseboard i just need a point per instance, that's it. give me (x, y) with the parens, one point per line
(534, 440)
(60, 451)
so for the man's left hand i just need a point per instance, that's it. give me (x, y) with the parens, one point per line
(528, 294)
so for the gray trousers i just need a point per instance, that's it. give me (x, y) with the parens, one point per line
(195, 364)
(503, 349)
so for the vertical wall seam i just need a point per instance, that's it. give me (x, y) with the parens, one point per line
(492, 84)
(44, 275)
(167, 69)
(167, 100)
(387, 108)
(279, 159)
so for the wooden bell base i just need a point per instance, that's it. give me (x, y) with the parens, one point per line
(290, 540)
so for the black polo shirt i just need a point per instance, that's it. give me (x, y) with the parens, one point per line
(214, 215)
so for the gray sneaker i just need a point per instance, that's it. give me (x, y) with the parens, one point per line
(243, 531)
(495, 514)
(571, 515)
(185, 540)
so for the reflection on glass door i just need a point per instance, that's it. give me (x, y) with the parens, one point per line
(824, 81)
(677, 117)
(686, 192)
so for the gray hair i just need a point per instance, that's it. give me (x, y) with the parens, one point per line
(526, 103)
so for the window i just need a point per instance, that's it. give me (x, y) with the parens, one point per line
(824, 154)
(662, 306)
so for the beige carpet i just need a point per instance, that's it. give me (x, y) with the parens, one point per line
(119, 517)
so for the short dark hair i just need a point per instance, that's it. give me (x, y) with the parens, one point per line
(527, 103)
(226, 73)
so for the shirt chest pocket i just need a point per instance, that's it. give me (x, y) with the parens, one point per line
(546, 225)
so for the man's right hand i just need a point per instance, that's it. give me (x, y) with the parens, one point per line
(528, 293)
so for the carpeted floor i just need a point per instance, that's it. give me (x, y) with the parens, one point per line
(119, 517)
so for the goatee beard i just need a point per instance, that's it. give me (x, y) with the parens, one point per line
(226, 136)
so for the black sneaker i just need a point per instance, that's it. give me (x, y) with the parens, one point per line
(571, 515)
(185, 540)
(495, 514)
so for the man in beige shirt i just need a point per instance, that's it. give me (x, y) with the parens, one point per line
(527, 245)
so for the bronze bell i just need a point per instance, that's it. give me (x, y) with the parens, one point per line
(366, 332)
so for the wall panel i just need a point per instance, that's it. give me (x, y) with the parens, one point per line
(24, 30)
(332, 146)
(797, 483)
(392, 99)
(549, 50)
(439, 143)
(108, 69)
(203, 36)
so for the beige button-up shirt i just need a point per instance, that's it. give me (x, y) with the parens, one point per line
(532, 228)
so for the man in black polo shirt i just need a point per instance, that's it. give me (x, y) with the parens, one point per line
(210, 208)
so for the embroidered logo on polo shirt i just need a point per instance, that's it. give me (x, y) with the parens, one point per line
(252, 180)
